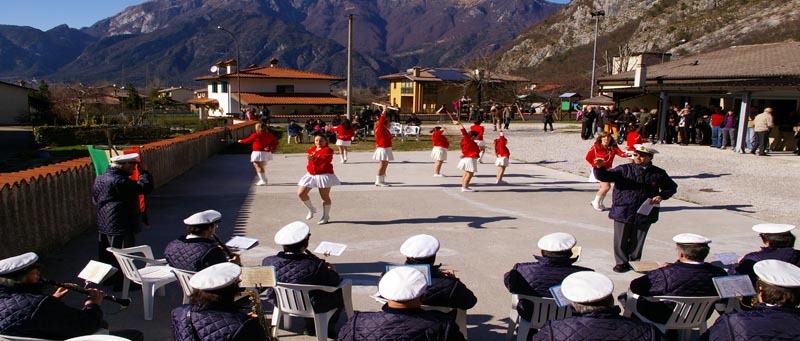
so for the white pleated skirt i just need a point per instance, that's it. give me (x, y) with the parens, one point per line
(319, 181)
(480, 143)
(439, 154)
(468, 164)
(343, 143)
(591, 176)
(501, 161)
(383, 154)
(260, 156)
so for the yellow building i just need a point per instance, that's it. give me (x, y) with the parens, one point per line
(427, 89)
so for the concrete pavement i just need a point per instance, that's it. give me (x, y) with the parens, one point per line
(482, 234)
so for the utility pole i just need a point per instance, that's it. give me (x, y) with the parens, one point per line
(238, 70)
(596, 15)
(349, 67)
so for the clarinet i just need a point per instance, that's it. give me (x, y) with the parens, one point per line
(224, 247)
(121, 301)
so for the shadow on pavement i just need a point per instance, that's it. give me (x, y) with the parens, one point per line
(473, 222)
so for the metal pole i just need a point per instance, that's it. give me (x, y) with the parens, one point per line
(594, 53)
(238, 78)
(349, 66)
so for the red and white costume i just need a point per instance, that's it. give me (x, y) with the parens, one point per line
(501, 149)
(440, 145)
(469, 153)
(319, 169)
(602, 152)
(344, 137)
(383, 141)
(478, 140)
(263, 143)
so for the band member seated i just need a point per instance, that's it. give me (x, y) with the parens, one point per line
(778, 243)
(26, 311)
(402, 317)
(213, 315)
(549, 269)
(775, 317)
(445, 290)
(596, 317)
(296, 264)
(198, 249)
(690, 276)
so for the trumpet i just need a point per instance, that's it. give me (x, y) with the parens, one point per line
(74, 287)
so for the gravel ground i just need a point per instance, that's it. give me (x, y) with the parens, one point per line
(764, 188)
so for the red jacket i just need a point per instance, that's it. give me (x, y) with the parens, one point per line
(383, 139)
(262, 141)
(501, 147)
(479, 129)
(344, 134)
(605, 153)
(439, 140)
(632, 139)
(469, 148)
(321, 163)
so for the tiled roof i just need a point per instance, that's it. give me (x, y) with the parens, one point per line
(272, 72)
(750, 61)
(202, 101)
(450, 75)
(291, 99)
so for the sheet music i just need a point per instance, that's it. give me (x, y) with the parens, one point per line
(258, 276)
(646, 207)
(727, 258)
(241, 242)
(330, 249)
(734, 286)
(95, 272)
(425, 269)
(377, 297)
(576, 252)
(644, 266)
(561, 301)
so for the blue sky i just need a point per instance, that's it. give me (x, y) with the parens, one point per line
(46, 14)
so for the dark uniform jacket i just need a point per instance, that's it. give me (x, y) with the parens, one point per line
(598, 325)
(301, 268)
(677, 279)
(786, 254)
(400, 324)
(762, 324)
(215, 325)
(446, 291)
(633, 184)
(536, 278)
(27, 312)
(193, 254)
(116, 197)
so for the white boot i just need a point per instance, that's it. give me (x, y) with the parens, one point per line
(326, 210)
(602, 207)
(597, 203)
(311, 209)
(345, 156)
(381, 182)
(341, 157)
(262, 179)
(480, 157)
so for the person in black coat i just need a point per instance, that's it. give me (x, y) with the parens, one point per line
(26, 311)
(296, 264)
(596, 317)
(213, 313)
(778, 244)
(775, 317)
(445, 289)
(197, 250)
(549, 269)
(690, 276)
(638, 187)
(587, 123)
(116, 197)
(402, 317)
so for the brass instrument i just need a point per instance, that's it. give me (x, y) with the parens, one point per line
(74, 287)
(257, 310)
(224, 247)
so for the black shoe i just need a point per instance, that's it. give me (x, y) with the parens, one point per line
(622, 268)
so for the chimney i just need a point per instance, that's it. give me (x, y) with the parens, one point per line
(415, 71)
(273, 62)
(640, 78)
(232, 66)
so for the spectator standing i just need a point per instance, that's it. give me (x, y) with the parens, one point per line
(547, 119)
(761, 125)
(729, 128)
(611, 121)
(587, 122)
(717, 134)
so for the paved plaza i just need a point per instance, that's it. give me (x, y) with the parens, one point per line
(482, 234)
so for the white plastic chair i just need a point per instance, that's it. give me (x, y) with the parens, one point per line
(396, 129)
(544, 309)
(155, 275)
(689, 313)
(461, 316)
(97, 338)
(20, 338)
(411, 131)
(183, 277)
(98, 335)
(293, 300)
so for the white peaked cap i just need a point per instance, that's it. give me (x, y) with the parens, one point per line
(586, 287)
(558, 241)
(216, 276)
(773, 228)
(420, 246)
(293, 233)
(644, 149)
(17, 263)
(402, 283)
(205, 217)
(125, 158)
(778, 273)
(690, 238)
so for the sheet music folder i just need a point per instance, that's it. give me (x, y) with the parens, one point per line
(258, 276)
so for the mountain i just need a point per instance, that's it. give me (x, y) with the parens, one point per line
(169, 42)
(558, 50)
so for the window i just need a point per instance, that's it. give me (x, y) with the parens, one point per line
(407, 87)
(214, 87)
(224, 87)
(284, 89)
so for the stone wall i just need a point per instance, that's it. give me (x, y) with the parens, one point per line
(44, 207)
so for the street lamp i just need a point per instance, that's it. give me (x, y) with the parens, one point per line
(477, 73)
(238, 69)
(596, 15)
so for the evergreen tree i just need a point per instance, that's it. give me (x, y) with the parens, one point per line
(41, 104)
